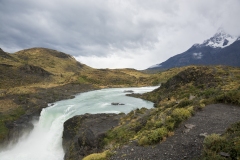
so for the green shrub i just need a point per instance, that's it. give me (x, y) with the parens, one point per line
(119, 135)
(170, 124)
(184, 103)
(169, 105)
(98, 156)
(230, 97)
(158, 134)
(153, 136)
(214, 142)
(143, 141)
(158, 124)
(180, 114)
(209, 93)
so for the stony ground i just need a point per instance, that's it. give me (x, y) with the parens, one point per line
(187, 141)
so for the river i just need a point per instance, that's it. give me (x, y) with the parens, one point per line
(45, 140)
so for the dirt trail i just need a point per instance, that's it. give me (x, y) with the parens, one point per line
(186, 143)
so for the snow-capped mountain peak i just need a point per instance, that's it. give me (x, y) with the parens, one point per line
(220, 39)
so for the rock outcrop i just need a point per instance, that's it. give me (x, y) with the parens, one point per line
(116, 104)
(31, 69)
(84, 134)
(21, 126)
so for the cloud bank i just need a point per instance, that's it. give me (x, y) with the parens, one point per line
(115, 33)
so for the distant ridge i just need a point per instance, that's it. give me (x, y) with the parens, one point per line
(221, 49)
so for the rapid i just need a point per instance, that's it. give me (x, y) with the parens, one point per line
(45, 140)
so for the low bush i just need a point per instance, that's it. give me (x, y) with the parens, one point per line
(214, 142)
(152, 136)
(184, 103)
(98, 156)
(157, 135)
(180, 114)
(143, 141)
(119, 135)
(230, 97)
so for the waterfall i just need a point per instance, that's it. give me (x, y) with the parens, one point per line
(45, 140)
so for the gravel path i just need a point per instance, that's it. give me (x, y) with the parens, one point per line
(186, 143)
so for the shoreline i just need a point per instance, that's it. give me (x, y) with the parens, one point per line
(23, 124)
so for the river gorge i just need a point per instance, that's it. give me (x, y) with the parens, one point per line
(45, 140)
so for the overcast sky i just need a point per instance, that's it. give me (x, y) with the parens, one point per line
(115, 33)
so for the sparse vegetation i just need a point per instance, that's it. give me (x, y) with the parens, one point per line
(227, 144)
(98, 156)
(175, 101)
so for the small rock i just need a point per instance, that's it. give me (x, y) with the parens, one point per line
(189, 126)
(128, 91)
(186, 130)
(224, 154)
(115, 104)
(191, 97)
(203, 134)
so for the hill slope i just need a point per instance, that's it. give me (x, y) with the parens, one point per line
(180, 97)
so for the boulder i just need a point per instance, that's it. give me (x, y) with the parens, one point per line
(116, 103)
(128, 91)
(84, 134)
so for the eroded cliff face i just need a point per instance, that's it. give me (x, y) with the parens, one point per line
(84, 134)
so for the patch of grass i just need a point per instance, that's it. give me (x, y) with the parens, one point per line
(184, 103)
(82, 80)
(99, 156)
(119, 135)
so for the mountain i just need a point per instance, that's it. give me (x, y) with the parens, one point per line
(221, 49)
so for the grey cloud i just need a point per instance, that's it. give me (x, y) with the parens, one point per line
(73, 25)
(104, 27)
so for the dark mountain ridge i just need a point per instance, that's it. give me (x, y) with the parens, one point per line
(221, 49)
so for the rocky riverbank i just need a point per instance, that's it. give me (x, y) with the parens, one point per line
(84, 134)
(32, 105)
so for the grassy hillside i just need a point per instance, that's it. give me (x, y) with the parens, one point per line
(188, 90)
(31, 78)
(114, 78)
